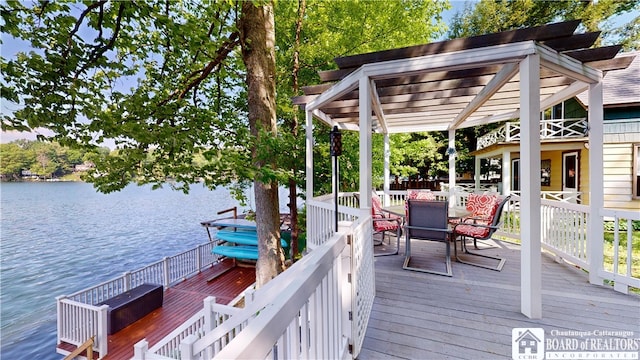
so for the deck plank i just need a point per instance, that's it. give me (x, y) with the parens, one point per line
(471, 315)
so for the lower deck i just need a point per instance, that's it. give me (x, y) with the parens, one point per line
(472, 314)
(181, 301)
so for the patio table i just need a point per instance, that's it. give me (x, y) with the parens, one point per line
(455, 212)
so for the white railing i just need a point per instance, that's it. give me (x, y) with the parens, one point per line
(549, 129)
(564, 231)
(78, 322)
(321, 216)
(296, 315)
(562, 196)
(211, 316)
(81, 316)
(622, 258)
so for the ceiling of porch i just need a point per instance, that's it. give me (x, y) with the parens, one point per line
(459, 83)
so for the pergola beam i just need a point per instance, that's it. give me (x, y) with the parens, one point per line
(501, 78)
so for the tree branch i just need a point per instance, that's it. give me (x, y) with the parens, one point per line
(223, 51)
(78, 23)
(99, 51)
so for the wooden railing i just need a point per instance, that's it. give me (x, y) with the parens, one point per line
(80, 317)
(549, 129)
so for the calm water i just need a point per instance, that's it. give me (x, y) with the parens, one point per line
(57, 238)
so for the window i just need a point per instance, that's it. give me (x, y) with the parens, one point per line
(636, 170)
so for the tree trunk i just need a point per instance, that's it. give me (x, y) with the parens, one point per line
(258, 53)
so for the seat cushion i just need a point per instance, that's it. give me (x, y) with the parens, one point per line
(385, 225)
(472, 231)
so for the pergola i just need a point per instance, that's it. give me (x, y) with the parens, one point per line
(467, 82)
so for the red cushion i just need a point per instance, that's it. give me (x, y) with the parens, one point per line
(385, 225)
(413, 194)
(472, 231)
(481, 205)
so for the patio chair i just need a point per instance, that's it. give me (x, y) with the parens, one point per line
(476, 230)
(481, 207)
(383, 221)
(427, 220)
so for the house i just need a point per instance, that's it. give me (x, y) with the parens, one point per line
(564, 133)
(528, 343)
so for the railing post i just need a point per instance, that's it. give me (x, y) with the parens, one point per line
(140, 349)
(59, 311)
(249, 296)
(209, 320)
(198, 258)
(127, 281)
(186, 347)
(103, 332)
(165, 267)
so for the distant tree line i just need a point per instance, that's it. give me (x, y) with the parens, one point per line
(42, 159)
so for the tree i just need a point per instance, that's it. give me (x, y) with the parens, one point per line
(13, 159)
(257, 36)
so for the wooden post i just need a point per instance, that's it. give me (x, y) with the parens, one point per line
(531, 256)
(596, 179)
(140, 349)
(167, 273)
(186, 347)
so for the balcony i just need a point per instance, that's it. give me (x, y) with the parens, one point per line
(557, 129)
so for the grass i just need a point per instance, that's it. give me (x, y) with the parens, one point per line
(622, 252)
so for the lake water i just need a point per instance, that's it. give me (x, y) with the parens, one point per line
(57, 238)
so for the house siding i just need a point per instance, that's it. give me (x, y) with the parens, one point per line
(619, 137)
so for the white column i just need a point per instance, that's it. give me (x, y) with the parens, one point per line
(596, 178)
(387, 172)
(530, 256)
(366, 183)
(309, 159)
(452, 168)
(506, 172)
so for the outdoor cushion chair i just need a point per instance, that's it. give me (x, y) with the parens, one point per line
(383, 222)
(427, 220)
(481, 207)
(476, 230)
(416, 194)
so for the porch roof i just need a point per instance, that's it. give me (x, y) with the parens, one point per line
(459, 83)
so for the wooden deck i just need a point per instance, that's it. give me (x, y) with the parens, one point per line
(180, 303)
(471, 315)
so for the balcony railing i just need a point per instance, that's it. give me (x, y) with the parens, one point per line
(549, 129)
(80, 317)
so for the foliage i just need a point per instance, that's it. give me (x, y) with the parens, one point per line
(488, 16)
(42, 158)
(159, 79)
(338, 28)
(610, 225)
